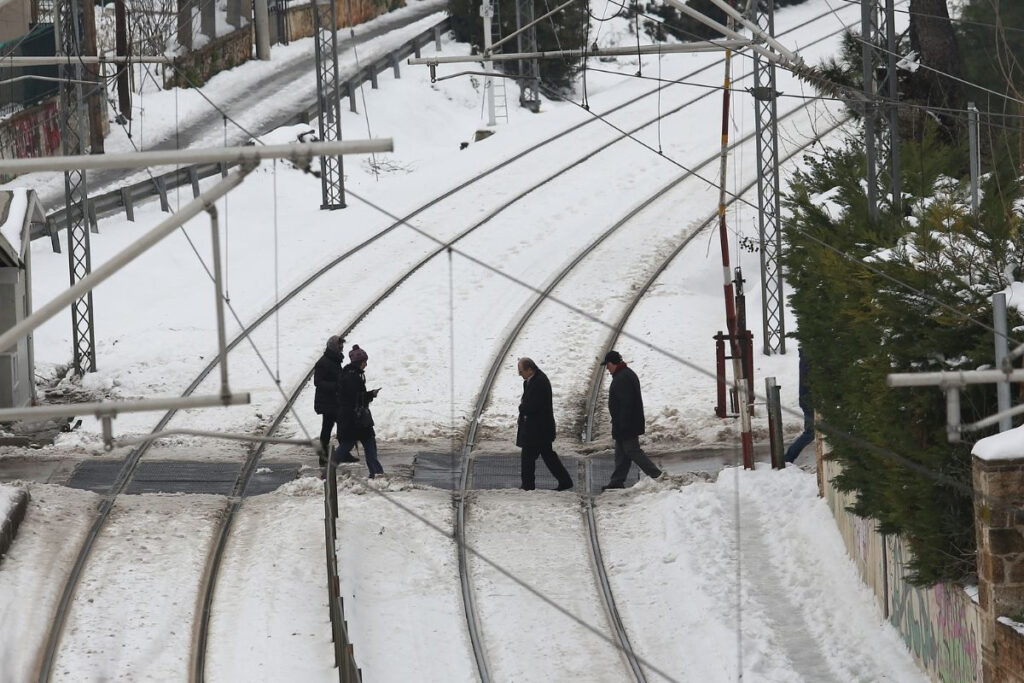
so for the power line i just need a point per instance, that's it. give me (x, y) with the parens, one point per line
(958, 20)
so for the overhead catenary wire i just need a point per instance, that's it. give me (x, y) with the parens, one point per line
(897, 282)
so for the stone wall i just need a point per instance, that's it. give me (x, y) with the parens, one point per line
(999, 529)
(220, 54)
(1009, 644)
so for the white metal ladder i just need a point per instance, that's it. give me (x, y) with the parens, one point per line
(500, 97)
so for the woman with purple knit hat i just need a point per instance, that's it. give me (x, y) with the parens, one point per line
(355, 423)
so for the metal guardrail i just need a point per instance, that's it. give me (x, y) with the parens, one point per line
(344, 656)
(125, 198)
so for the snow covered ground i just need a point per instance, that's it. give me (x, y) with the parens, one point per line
(675, 552)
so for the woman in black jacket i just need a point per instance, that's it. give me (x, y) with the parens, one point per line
(355, 423)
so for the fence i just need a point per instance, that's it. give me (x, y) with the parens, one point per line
(344, 655)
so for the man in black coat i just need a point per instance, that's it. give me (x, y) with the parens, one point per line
(536, 430)
(327, 380)
(626, 407)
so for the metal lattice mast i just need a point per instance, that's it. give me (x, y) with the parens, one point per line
(69, 34)
(529, 69)
(332, 176)
(770, 235)
(881, 122)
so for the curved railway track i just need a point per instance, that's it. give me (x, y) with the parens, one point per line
(128, 469)
(462, 497)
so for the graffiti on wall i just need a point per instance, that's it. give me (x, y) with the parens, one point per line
(34, 132)
(940, 625)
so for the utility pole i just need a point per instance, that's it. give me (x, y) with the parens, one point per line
(878, 40)
(972, 125)
(529, 69)
(261, 22)
(769, 232)
(69, 33)
(122, 49)
(332, 176)
(487, 12)
(731, 319)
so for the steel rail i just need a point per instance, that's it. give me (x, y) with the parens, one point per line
(127, 471)
(484, 394)
(209, 581)
(607, 596)
(499, 359)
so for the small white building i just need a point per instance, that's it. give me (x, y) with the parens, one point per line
(19, 210)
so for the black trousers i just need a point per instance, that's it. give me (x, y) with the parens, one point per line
(325, 435)
(528, 465)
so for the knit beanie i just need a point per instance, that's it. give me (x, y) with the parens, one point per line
(357, 355)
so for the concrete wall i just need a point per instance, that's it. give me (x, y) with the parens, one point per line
(941, 625)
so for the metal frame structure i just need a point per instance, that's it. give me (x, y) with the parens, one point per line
(881, 120)
(529, 69)
(69, 35)
(769, 232)
(248, 157)
(332, 171)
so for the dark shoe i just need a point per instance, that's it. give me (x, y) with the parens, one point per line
(564, 487)
(346, 458)
(527, 488)
(613, 486)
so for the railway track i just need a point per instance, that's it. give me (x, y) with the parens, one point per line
(127, 471)
(616, 632)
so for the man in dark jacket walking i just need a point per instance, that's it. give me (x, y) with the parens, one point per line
(355, 423)
(626, 407)
(536, 430)
(327, 380)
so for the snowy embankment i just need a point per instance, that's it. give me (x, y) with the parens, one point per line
(33, 573)
(675, 558)
(803, 614)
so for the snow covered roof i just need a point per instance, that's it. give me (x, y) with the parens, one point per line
(15, 209)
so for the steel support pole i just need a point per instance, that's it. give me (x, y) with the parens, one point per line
(1002, 351)
(881, 134)
(69, 34)
(769, 232)
(892, 106)
(261, 22)
(867, 32)
(529, 70)
(972, 125)
(487, 12)
(332, 176)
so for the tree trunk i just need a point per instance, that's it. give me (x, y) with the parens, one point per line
(933, 38)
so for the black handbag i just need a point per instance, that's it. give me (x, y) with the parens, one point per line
(363, 418)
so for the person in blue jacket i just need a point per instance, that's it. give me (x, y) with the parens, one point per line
(807, 436)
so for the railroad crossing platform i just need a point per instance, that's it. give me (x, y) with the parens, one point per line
(501, 471)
